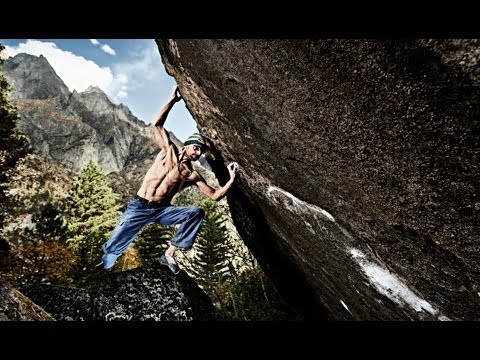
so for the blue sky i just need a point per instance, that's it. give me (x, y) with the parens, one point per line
(130, 72)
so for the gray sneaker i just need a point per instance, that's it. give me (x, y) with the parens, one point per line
(172, 266)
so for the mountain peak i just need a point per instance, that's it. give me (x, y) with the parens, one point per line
(31, 60)
(92, 88)
(34, 77)
(96, 95)
(96, 91)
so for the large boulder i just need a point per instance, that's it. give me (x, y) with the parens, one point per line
(149, 293)
(358, 189)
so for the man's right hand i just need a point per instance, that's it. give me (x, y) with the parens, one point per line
(232, 169)
(176, 96)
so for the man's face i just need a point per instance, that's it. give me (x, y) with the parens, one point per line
(194, 151)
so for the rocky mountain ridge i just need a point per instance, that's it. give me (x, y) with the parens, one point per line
(72, 128)
(95, 126)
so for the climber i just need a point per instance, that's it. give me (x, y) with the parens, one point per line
(170, 173)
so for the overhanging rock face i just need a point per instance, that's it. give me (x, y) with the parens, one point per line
(358, 189)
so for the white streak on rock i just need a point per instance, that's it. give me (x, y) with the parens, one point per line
(390, 286)
(345, 306)
(296, 205)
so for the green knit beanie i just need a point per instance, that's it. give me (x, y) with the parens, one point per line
(196, 139)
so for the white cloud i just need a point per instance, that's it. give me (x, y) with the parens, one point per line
(122, 94)
(76, 72)
(134, 73)
(108, 50)
(119, 80)
(118, 87)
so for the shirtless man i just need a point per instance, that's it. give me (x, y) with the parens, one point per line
(170, 173)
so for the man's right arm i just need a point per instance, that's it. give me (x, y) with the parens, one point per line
(217, 194)
(161, 117)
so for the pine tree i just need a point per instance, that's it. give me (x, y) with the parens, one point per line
(211, 264)
(93, 214)
(48, 217)
(253, 297)
(40, 254)
(13, 145)
(152, 241)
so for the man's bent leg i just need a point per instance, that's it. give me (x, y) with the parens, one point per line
(190, 219)
(122, 236)
(168, 259)
(171, 251)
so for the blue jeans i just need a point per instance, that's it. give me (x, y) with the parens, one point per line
(139, 214)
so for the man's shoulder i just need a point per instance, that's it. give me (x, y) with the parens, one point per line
(197, 176)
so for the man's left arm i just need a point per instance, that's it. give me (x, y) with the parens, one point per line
(218, 194)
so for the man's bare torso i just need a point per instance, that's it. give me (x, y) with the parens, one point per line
(163, 180)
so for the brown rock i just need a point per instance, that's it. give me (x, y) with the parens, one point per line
(359, 167)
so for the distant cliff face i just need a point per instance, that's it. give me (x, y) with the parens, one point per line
(359, 167)
(33, 78)
(72, 128)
